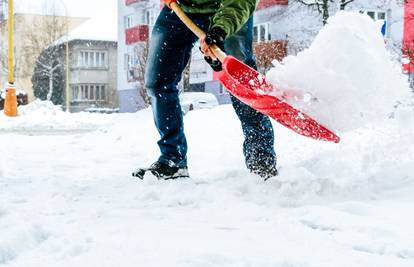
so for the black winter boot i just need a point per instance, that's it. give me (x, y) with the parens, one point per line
(163, 171)
(265, 171)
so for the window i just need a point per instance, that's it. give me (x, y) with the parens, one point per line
(92, 59)
(130, 61)
(128, 22)
(261, 33)
(375, 15)
(130, 67)
(378, 15)
(89, 92)
(381, 15)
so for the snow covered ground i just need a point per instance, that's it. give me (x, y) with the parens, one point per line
(67, 197)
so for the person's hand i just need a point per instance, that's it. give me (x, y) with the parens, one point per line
(205, 49)
(215, 36)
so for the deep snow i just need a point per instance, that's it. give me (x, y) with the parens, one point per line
(69, 200)
(67, 197)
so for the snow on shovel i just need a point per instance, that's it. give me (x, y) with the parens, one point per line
(250, 87)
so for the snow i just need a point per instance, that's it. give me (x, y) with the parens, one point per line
(42, 116)
(67, 197)
(346, 66)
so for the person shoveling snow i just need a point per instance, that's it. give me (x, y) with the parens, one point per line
(364, 39)
(229, 24)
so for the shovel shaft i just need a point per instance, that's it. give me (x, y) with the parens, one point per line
(194, 28)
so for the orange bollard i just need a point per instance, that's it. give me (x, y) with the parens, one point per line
(10, 103)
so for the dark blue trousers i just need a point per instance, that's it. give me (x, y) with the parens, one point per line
(169, 52)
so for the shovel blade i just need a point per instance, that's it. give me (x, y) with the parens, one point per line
(250, 87)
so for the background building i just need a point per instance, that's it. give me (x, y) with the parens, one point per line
(135, 21)
(33, 33)
(281, 27)
(93, 65)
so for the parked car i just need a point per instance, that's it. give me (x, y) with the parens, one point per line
(197, 100)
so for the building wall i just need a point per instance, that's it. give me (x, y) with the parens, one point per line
(25, 26)
(130, 101)
(129, 90)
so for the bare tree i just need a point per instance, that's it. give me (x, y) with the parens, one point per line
(136, 70)
(3, 41)
(344, 3)
(43, 46)
(3, 60)
(186, 77)
(48, 75)
(3, 10)
(324, 6)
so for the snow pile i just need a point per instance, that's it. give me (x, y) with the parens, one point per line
(39, 109)
(346, 74)
(42, 116)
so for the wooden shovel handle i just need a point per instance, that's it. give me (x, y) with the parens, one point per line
(194, 28)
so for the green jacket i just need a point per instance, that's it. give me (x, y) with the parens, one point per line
(229, 15)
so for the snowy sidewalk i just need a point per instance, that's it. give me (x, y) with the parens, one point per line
(69, 201)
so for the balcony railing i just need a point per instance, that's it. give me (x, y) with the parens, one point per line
(137, 34)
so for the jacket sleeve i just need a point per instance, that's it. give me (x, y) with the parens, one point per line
(233, 14)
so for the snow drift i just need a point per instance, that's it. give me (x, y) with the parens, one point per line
(42, 116)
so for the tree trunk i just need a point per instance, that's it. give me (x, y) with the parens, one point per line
(49, 94)
(342, 5)
(325, 11)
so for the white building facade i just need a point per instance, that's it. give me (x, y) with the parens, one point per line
(135, 21)
(299, 24)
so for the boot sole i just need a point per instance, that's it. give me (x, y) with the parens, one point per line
(140, 173)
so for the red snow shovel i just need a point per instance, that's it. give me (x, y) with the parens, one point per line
(249, 86)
